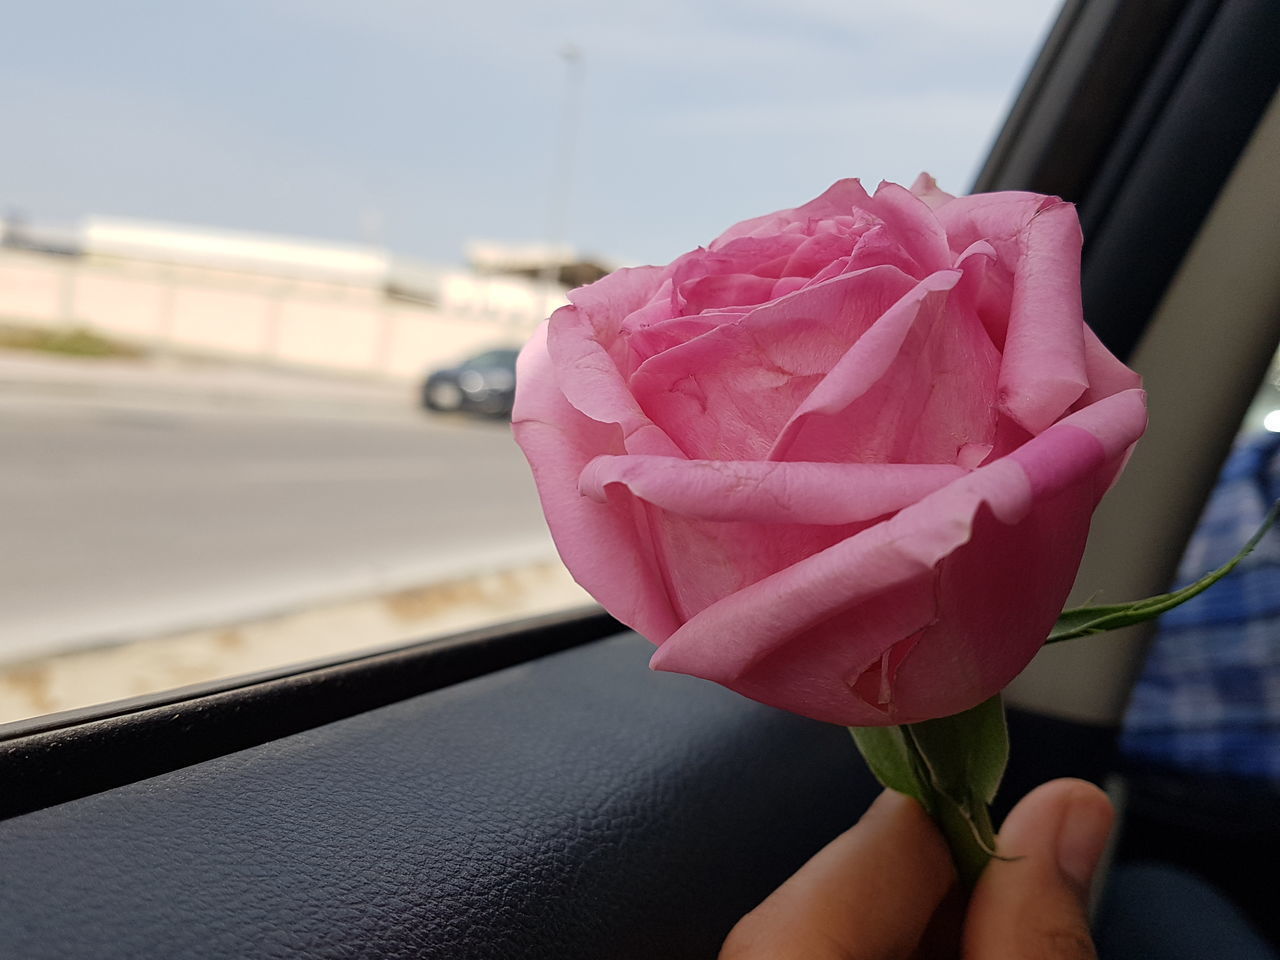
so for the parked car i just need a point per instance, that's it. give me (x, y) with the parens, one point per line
(485, 383)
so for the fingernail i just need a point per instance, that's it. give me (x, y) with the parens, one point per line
(1082, 837)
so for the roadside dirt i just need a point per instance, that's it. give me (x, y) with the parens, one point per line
(85, 677)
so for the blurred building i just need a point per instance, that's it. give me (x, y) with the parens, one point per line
(558, 263)
(228, 251)
(277, 299)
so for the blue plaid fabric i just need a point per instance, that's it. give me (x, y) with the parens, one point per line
(1208, 697)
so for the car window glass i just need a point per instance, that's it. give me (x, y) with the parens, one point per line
(494, 358)
(245, 248)
(1203, 702)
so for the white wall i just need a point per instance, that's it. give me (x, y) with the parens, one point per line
(341, 326)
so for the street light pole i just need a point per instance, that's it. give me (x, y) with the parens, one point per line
(562, 170)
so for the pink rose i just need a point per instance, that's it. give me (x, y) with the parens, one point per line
(844, 459)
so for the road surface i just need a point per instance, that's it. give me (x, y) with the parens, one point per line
(124, 520)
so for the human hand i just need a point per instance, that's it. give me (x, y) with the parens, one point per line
(886, 888)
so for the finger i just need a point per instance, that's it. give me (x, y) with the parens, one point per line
(867, 895)
(1034, 904)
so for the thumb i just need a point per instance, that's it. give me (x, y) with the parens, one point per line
(1034, 904)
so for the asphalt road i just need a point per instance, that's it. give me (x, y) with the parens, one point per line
(119, 521)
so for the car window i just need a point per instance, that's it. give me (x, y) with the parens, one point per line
(243, 246)
(494, 358)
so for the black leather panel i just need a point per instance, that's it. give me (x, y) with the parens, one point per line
(1170, 160)
(65, 756)
(574, 806)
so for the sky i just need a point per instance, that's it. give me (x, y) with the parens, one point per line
(418, 125)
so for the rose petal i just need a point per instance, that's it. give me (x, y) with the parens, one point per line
(918, 387)
(600, 543)
(801, 638)
(1037, 241)
(1043, 372)
(840, 199)
(789, 285)
(805, 638)
(695, 282)
(819, 250)
(875, 247)
(590, 380)
(761, 256)
(927, 189)
(1106, 374)
(717, 291)
(1104, 430)
(652, 339)
(913, 225)
(995, 217)
(727, 393)
(622, 292)
(765, 492)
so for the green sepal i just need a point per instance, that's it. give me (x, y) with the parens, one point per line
(1084, 621)
(967, 752)
(893, 762)
(953, 766)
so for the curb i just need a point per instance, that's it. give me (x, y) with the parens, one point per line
(198, 386)
(86, 676)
